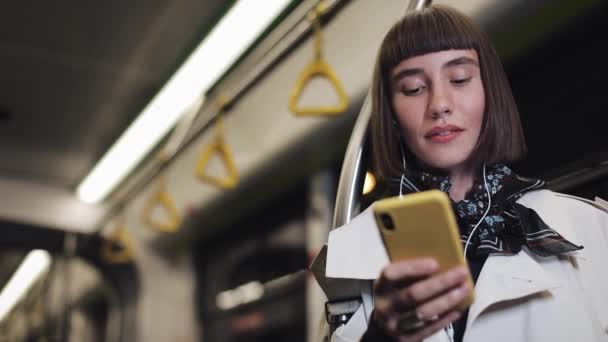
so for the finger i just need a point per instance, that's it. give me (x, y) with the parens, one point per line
(382, 307)
(425, 290)
(404, 270)
(432, 327)
(444, 303)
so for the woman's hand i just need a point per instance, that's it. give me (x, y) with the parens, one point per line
(406, 294)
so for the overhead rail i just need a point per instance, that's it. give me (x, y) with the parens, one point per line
(289, 34)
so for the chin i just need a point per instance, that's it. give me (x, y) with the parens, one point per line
(445, 163)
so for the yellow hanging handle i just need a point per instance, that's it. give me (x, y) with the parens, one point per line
(119, 247)
(163, 199)
(318, 68)
(220, 148)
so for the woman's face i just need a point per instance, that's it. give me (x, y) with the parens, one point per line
(439, 101)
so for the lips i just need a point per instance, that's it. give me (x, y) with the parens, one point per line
(443, 134)
(443, 131)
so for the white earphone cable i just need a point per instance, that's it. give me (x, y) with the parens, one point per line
(404, 179)
(485, 182)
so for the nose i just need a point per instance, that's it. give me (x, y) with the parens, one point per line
(440, 114)
(439, 104)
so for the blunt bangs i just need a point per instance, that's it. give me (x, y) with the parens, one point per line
(432, 29)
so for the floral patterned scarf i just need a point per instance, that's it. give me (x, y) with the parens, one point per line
(508, 225)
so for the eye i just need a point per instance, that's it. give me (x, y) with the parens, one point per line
(413, 91)
(461, 81)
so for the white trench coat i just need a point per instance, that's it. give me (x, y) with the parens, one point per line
(518, 297)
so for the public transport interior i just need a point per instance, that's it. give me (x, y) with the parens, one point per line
(169, 169)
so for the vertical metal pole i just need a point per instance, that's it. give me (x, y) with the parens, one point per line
(348, 196)
(353, 171)
(318, 224)
(417, 5)
(69, 251)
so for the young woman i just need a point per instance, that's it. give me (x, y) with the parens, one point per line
(444, 118)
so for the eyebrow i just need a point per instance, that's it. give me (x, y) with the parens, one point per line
(461, 61)
(416, 71)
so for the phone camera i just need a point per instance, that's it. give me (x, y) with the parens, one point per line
(387, 221)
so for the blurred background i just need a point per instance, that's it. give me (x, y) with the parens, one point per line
(168, 169)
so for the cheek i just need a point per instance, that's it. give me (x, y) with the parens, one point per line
(479, 110)
(475, 109)
(409, 116)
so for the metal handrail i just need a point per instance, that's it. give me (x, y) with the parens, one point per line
(352, 175)
(417, 5)
(353, 171)
(579, 178)
(277, 46)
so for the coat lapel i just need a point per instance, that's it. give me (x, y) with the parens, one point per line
(508, 277)
(356, 250)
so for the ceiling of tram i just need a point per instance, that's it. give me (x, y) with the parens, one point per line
(76, 73)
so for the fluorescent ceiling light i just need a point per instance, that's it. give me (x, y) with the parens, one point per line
(228, 40)
(33, 266)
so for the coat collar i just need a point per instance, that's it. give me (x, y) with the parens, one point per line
(356, 251)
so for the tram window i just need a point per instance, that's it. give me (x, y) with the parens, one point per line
(250, 278)
(559, 87)
(48, 309)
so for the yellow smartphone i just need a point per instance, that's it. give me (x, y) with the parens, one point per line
(422, 225)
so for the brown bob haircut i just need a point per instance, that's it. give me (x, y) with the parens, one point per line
(438, 28)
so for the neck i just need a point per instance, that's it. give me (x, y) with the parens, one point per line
(462, 182)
